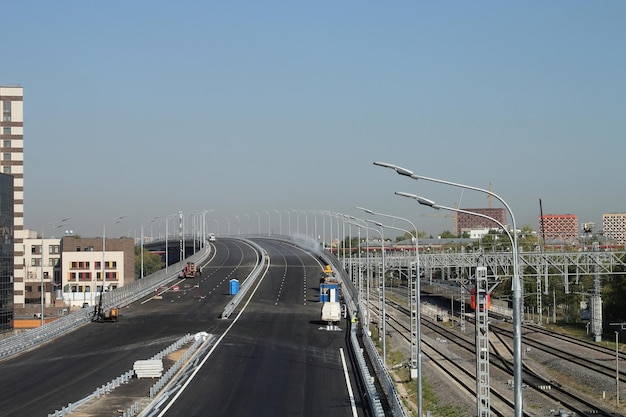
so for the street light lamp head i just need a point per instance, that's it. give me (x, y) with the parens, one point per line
(399, 170)
(379, 224)
(368, 211)
(426, 202)
(408, 195)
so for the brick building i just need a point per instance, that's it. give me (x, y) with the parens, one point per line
(465, 221)
(558, 227)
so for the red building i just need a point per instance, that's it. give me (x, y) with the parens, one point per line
(470, 221)
(559, 227)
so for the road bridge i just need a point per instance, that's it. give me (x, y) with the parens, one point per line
(273, 356)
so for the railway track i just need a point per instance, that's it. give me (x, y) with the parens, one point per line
(502, 369)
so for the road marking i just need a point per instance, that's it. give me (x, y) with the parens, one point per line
(345, 373)
(199, 366)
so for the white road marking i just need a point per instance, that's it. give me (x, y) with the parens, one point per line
(345, 373)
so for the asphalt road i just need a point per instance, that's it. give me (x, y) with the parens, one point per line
(273, 359)
(278, 359)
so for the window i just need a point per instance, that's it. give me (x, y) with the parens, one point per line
(6, 156)
(6, 169)
(54, 249)
(6, 143)
(6, 111)
(98, 265)
(6, 130)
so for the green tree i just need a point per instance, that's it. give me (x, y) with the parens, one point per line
(446, 234)
(527, 239)
(408, 236)
(151, 262)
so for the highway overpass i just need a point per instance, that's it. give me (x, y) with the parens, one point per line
(272, 356)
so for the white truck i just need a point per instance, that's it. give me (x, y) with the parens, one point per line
(331, 312)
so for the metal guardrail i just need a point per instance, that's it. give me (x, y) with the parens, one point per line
(247, 284)
(372, 395)
(389, 388)
(350, 295)
(123, 379)
(119, 297)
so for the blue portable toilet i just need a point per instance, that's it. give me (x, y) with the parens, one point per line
(329, 292)
(234, 286)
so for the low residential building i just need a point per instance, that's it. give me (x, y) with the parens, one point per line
(71, 269)
(42, 268)
(89, 265)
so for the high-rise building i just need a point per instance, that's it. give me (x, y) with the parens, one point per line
(558, 227)
(6, 253)
(614, 227)
(465, 221)
(12, 163)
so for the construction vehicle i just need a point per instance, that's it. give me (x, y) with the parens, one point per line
(189, 270)
(102, 315)
(108, 315)
(329, 277)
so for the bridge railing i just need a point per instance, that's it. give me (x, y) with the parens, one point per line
(389, 388)
(350, 297)
(247, 284)
(118, 297)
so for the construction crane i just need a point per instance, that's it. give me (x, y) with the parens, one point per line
(454, 217)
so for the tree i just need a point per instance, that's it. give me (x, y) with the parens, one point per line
(411, 235)
(151, 262)
(446, 234)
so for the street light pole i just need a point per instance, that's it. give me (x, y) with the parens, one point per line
(98, 309)
(280, 223)
(516, 288)
(482, 357)
(417, 325)
(56, 224)
(383, 313)
(142, 242)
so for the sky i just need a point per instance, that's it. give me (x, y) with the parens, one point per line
(252, 108)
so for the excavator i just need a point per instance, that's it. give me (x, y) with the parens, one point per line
(101, 315)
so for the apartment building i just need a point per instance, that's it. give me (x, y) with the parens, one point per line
(12, 163)
(558, 227)
(90, 264)
(71, 269)
(6, 252)
(465, 221)
(614, 227)
(42, 269)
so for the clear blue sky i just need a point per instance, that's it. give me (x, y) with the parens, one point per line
(145, 108)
